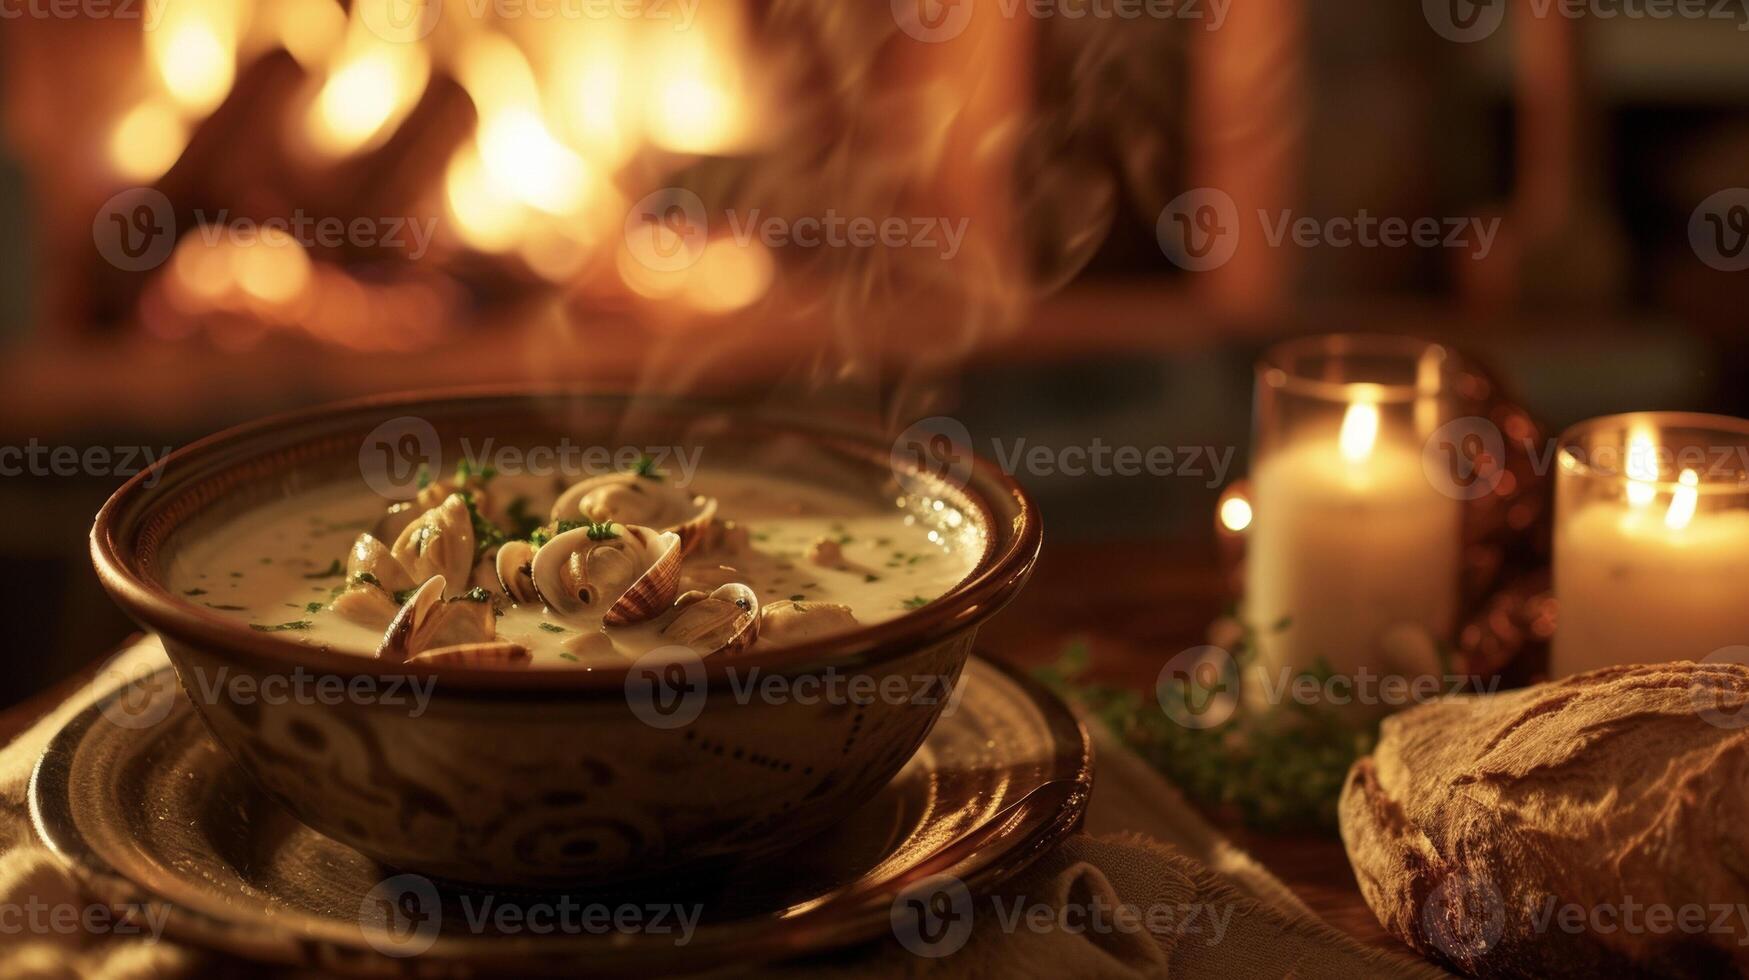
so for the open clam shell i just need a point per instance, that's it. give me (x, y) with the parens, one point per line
(514, 565)
(628, 498)
(439, 542)
(627, 578)
(428, 621)
(723, 623)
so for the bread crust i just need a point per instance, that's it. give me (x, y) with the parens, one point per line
(1541, 832)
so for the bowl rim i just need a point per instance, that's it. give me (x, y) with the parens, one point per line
(1011, 517)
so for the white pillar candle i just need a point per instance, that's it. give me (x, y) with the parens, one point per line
(1649, 579)
(1351, 546)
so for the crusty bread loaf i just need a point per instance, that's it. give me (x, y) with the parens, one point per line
(1594, 826)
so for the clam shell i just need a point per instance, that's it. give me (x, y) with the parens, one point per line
(513, 565)
(428, 621)
(365, 605)
(396, 519)
(439, 542)
(370, 555)
(688, 516)
(650, 594)
(397, 643)
(723, 623)
(495, 653)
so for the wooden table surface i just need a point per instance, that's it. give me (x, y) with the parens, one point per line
(1153, 599)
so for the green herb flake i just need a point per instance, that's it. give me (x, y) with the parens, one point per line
(195, 592)
(916, 602)
(225, 607)
(570, 657)
(296, 624)
(871, 577)
(646, 468)
(476, 594)
(798, 597)
(552, 628)
(311, 607)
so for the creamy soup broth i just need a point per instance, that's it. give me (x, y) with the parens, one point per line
(279, 568)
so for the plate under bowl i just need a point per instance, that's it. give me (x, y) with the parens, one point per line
(160, 820)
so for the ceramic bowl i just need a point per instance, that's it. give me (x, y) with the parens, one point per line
(546, 777)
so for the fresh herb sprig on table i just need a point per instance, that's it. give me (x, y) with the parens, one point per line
(1277, 769)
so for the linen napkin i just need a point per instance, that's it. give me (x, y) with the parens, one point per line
(1148, 890)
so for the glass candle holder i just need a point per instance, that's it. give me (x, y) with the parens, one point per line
(1651, 540)
(1354, 556)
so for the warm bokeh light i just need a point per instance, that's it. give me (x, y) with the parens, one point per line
(524, 160)
(1642, 467)
(193, 51)
(309, 29)
(273, 269)
(147, 141)
(373, 87)
(728, 276)
(1236, 514)
(692, 105)
(645, 281)
(486, 219)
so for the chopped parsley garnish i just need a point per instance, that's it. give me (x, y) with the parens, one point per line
(798, 597)
(542, 535)
(224, 607)
(551, 628)
(871, 577)
(464, 471)
(486, 534)
(367, 578)
(311, 607)
(402, 596)
(334, 568)
(424, 477)
(916, 602)
(296, 624)
(602, 531)
(476, 594)
(570, 657)
(195, 592)
(646, 468)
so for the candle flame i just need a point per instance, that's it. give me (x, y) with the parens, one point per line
(1360, 431)
(1682, 501)
(1642, 468)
